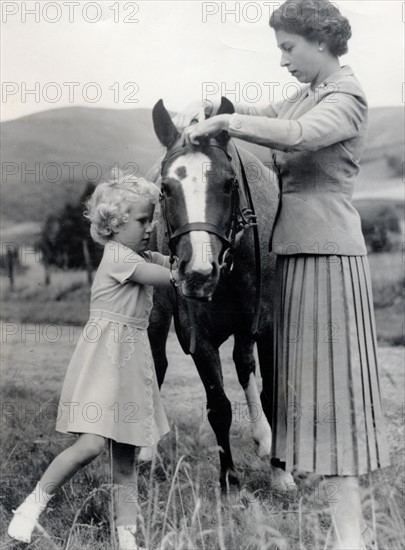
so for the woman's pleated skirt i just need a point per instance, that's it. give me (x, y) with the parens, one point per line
(327, 415)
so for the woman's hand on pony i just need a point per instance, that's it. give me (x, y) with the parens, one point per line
(197, 111)
(206, 129)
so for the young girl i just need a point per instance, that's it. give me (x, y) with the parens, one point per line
(110, 390)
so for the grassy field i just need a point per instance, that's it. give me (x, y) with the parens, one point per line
(179, 506)
(388, 278)
(66, 299)
(178, 500)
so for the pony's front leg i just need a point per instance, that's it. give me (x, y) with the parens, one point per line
(246, 366)
(219, 412)
(280, 479)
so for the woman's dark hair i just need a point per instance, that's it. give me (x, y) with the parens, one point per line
(315, 20)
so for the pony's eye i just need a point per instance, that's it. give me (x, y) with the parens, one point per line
(166, 189)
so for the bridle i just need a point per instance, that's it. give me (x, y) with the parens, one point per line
(239, 219)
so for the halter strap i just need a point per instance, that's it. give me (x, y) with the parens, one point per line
(227, 237)
(199, 226)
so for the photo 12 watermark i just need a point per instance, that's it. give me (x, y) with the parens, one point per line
(259, 12)
(71, 12)
(53, 333)
(66, 172)
(53, 92)
(267, 92)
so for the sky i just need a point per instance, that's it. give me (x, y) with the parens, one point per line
(126, 55)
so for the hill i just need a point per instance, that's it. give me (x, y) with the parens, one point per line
(53, 153)
(48, 156)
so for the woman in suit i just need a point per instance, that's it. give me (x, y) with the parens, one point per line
(327, 416)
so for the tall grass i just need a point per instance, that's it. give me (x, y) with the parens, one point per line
(179, 503)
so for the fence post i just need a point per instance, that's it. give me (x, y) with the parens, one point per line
(10, 266)
(87, 261)
(47, 273)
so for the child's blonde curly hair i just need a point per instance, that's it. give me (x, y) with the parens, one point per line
(111, 202)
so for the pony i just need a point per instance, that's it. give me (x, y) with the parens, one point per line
(205, 225)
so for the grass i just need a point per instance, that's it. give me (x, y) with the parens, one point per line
(388, 278)
(179, 507)
(66, 300)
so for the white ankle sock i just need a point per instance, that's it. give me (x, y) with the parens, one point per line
(37, 501)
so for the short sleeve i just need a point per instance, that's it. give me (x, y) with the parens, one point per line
(122, 261)
(157, 258)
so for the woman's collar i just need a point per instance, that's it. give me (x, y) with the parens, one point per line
(343, 71)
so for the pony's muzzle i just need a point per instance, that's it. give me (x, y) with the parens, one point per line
(198, 283)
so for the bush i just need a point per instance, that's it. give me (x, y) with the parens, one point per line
(65, 237)
(380, 225)
(395, 161)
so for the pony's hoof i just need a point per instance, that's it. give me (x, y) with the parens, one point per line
(230, 489)
(282, 481)
(263, 445)
(262, 437)
(232, 498)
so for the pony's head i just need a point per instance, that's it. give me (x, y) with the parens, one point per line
(199, 190)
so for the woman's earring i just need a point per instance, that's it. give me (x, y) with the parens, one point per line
(321, 49)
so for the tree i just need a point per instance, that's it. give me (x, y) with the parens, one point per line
(65, 239)
(378, 224)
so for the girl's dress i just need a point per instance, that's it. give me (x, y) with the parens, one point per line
(110, 388)
(327, 407)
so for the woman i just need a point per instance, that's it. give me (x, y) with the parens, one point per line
(327, 405)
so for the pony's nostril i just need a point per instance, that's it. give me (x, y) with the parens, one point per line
(182, 265)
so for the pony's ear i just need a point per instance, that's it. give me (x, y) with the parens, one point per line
(165, 129)
(226, 108)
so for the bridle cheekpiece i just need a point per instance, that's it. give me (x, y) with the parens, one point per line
(240, 219)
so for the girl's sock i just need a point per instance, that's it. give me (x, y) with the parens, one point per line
(27, 514)
(126, 537)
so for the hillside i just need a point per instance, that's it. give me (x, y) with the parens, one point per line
(79, 144)
(47, 156)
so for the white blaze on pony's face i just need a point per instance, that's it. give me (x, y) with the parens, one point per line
(197, 188)
(191, 172)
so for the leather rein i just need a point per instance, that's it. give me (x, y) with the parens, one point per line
(240, 219)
